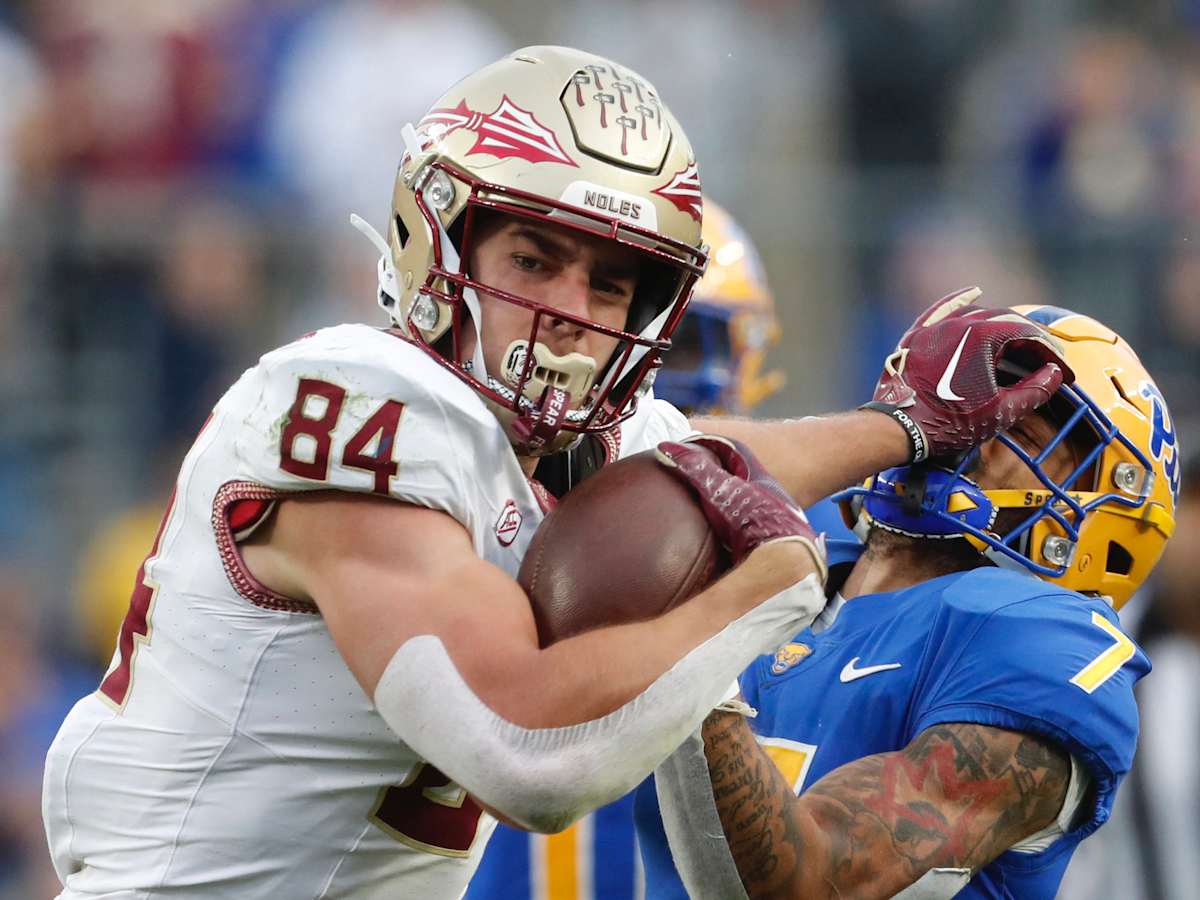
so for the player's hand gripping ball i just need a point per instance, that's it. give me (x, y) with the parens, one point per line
(745, 506)
(646, 533)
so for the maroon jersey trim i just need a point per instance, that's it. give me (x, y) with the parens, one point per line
(611, 442)
(247, 586)
(541, 493)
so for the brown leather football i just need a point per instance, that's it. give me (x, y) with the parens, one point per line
(628, 544)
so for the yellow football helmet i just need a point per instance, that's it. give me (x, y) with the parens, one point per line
(717, 353)
(1099, 530)
(555, 135)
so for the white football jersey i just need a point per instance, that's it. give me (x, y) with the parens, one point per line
(229, 752)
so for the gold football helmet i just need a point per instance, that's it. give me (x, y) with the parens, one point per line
(555, 135)
(1106, 527)
(717, 353)
(1099, 530)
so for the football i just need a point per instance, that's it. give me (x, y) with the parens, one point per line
(628, 544)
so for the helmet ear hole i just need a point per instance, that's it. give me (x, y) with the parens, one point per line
(401, 231)
(1119, 561)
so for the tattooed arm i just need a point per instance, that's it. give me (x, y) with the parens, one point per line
(958, 796)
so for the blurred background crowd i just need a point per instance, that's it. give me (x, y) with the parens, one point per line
(176, 179)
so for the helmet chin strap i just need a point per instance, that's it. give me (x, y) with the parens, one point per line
(537, 428)
(389, 282)
(1003, 561)
(385, 270)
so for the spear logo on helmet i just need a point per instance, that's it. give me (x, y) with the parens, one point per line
(683, 190)
(507, 131)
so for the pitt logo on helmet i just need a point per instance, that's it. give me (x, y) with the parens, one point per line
(1163, 442)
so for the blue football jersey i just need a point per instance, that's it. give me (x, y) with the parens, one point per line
(989, 646)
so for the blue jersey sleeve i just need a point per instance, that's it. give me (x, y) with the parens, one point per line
(1048, 662)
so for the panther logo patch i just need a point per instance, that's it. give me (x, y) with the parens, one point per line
(788, 655)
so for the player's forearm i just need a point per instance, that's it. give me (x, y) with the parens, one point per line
(768, 839)
(592, 674)
(784, 846)
(813, 457)
(958, 796)
(521, 761)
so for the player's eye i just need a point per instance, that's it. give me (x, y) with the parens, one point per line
(612, 290)
(526, 263)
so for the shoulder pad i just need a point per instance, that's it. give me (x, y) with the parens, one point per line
(1015, 652)
(653, 422)
(988, 588)
(357, 409)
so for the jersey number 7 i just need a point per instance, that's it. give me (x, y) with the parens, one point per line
(1105, 666)
(307, 438)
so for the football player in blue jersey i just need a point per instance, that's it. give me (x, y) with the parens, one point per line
(716, 364)
(950, 726)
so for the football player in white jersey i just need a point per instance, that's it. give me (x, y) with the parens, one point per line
(328, 675)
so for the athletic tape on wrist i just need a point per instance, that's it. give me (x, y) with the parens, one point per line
(733, 702)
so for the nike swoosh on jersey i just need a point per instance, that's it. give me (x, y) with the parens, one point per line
(943, 386)
(850, 673)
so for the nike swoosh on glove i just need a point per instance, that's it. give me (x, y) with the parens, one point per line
(942, 381)
(745, 506)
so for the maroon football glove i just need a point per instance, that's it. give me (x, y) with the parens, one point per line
(941, 383)
(744, 505)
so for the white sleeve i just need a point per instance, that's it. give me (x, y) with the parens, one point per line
(674, 424)
(546, 778)
(693, 825)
